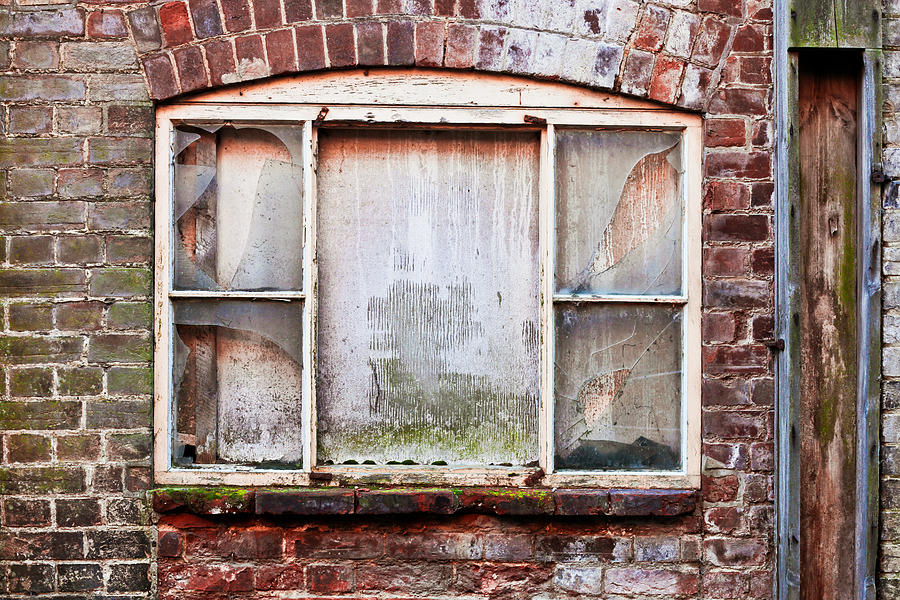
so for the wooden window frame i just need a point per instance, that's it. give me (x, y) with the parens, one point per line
(404, 98)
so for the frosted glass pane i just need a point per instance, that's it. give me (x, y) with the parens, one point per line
(619, 212)
(238, 208)
(238, 382)
(428, 336)
(617, 386)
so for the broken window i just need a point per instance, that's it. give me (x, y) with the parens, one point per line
(379, 291)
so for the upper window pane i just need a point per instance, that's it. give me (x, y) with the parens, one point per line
(238, 208)
(428, 319)
(619, 212)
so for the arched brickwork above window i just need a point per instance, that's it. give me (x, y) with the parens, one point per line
(676, 54)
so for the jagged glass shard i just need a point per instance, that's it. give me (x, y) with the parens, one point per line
(617, 386)
(428, 325)
(238, 381)
(238, 208)
(619, 212)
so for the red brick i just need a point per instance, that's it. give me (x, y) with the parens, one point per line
(637, 73)
(711, 41)
(460, 51)
(763, 327)
(665, 79)
(720, 489)
(737, 228)
(740, 101)
(330, 579)
(726, 456)
(404, 578)
(418, 7)
(237, 15)
(360, 8)
(749, 165)
(733, 424)
(718, 327)
(347, 545)
(297, 10)
(735, 552)
(724, 519)
(761, 133)
(761, 195)
(750, 38)
(106, 24)
(310, 48)
(643, 503)
(429, 44)
(267, 13)
(722, 360)
(370, 44)
(638, 580)
(249, 50)
(763, 392)
(176, 27)
(220, 59)
(652, 30)
(762, 457)
(205, 578)
(169, 543)
(205, 14)
(405, 501)
(756, 70)
(443, 8)
(717, 392)
(726, 262)
(727, 195)
(280, 577)
(280, 50)
(507, 580)
(763, 261)
(189, 61)
(329, 9)
(341, 47)
(21, 512)
(468, 9)
(389, 7)
(725, 132)
(729, 8)
(736, 293)
(401, 47)
(727, 585)
(160, 76)
(145, 29)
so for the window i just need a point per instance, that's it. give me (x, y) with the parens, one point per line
(354, 281)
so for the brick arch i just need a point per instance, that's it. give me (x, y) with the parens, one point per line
(669, 55)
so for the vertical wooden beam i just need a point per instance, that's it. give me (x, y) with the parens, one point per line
(835, 23)
(828, 111)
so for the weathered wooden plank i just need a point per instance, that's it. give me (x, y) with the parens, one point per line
(828, 107)
(836, 23)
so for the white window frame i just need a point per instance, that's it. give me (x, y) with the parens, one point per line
(402, 97)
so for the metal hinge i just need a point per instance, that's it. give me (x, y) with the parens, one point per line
(878, 175)
(774, 344)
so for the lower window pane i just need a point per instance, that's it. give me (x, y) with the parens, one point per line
(237, 382)
(617, 383)
(428, 317)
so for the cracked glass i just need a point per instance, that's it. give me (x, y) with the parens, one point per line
(237, 382)
(238, 208)
(619, 212)
(428, 323)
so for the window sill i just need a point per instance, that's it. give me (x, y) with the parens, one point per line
(440, 501)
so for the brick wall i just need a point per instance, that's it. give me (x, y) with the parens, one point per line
(75, 413)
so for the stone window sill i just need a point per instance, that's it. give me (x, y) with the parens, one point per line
(435, 501)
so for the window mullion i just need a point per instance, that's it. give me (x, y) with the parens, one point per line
(547, 220)
(309, 287)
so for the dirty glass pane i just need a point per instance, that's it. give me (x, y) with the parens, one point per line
(238, 208)
(619, 212)
(237, 382)
(428, 339)
(618, 386)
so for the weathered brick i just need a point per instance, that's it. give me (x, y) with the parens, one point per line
(108, 151)
(491, 48)
(404, 578)
(209, 578)
(340, 44)
(652, 30)
(41, 216)
(103, 24)
(637, 73)
(36, 55)
(205, 14)
(306, 502)
(237, 15)
(47, 23)
(370, 44)
(80, 381)
(434, 546)
(297, 10)
(732, 425)
(27, 448)
(78, 119)
(405, 501)
(280, 577)
(128, 446)
(78, 316)
(280, 51)
(135, 119)
(78, 183)
(43, 480)
(251, 62)
(40, 415)
(38, 152)
(31, 382)
(105, 348)
(652, 581)
(78, 448)
(22, 512)
(31, 250)
(580, 580)
(79, 577)
(191, 72)
(401, 48)
(97, 56)
(130, 577)
(160, 76)
(175, 24)
(31, 119)
(576, 548)
(129, 381)
(30, 317)
(30, 578)
(45, 349)
(145, 29)
(735, 551)
(711, 41)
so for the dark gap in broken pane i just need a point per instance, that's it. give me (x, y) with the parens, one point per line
(619, 211)
(237, 382)
(617, 383)
(428, 324)
(238, 207)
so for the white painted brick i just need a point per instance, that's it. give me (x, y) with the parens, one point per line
(621, 17)
(580, 56)
(891, 328)
(548, 54)
(606, 65)
(890, 223)
(582, 580)
(681, 33)
(559, 15)
(891, 362)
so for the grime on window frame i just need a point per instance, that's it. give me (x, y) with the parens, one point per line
(489, 292)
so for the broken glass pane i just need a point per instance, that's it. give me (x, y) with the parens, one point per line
(238, 382)
(428, 325)
(617, 386)
(619, 212)
(238, 208)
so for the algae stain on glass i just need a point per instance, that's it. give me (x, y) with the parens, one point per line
(238, 227)
(429, 297)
